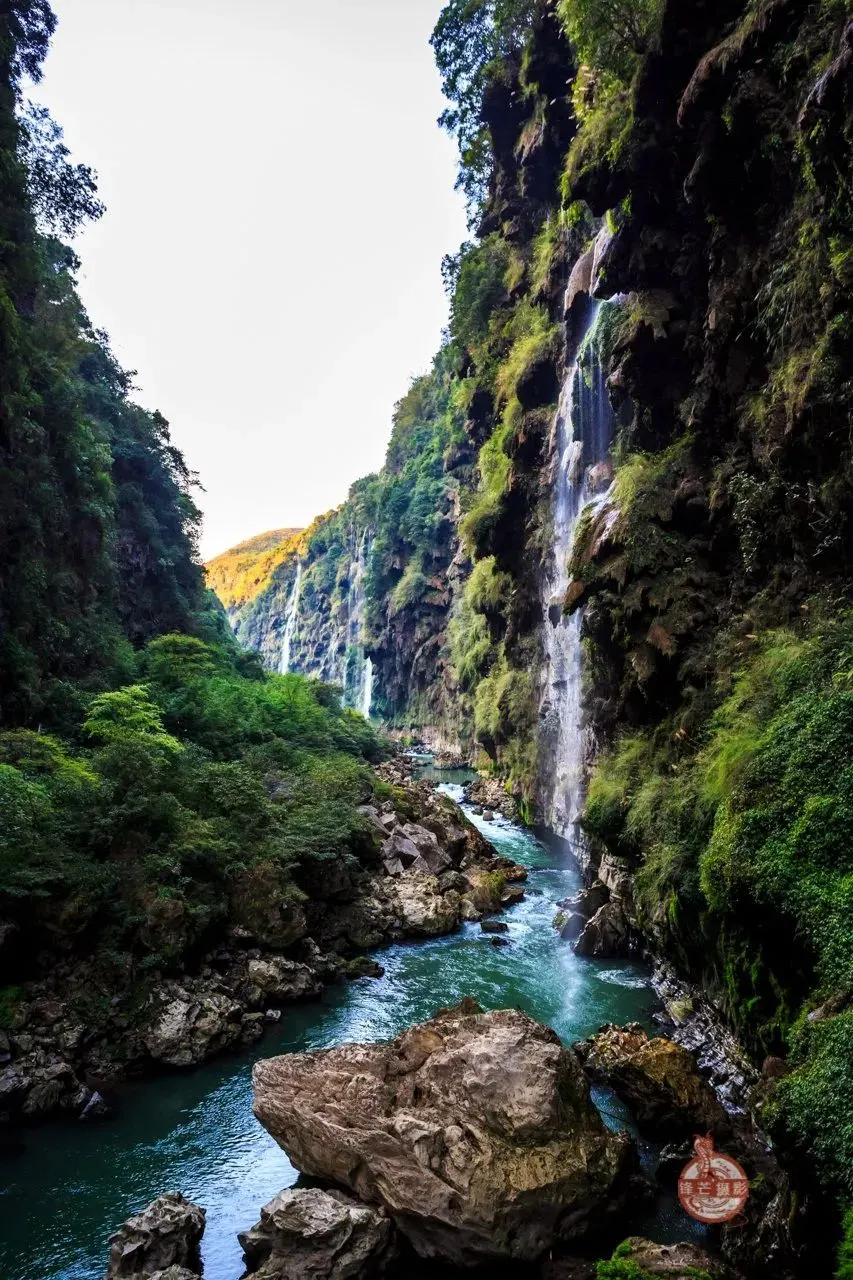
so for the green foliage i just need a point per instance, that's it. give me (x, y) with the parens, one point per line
(845, 1250)
(129, 716)
(97, 527)
(472, 40)
(135, 843)
(745, 838)
(612, 35)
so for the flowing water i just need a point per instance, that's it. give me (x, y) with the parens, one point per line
(582, 438)
(343, 661)
(358, 681)
(290, 620)
(195, 1132)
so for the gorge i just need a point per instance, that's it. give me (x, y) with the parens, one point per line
(605, 566)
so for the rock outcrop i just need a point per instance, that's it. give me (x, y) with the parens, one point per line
(318, 1235)
(658, 1079)
(161, 1241)
(677, 1261)
(607, 934)
(475, 1131)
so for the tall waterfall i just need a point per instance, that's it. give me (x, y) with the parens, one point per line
(582, 437)
(290, 620)
(367, 691)
(358, 682)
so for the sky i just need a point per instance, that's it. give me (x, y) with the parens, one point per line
(279, 198)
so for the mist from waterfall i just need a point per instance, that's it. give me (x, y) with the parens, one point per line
(582, 438)
(290, 620)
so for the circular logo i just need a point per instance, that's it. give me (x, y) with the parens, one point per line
(713, 1187)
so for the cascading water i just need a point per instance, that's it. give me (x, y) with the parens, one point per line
(290, 620)
(367, 691)
(581, 441)
(358, 679)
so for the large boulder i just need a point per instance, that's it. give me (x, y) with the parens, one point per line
(283, 980)
(187, 1029)
(607, 934)
(165, 1236)
(658, 1080)
(318, 1235)
(413, 845)
(475, 1130)
(424, 911)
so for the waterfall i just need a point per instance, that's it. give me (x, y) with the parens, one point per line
(582, 436)
(358, 669)
(290, 620)
(367, 693)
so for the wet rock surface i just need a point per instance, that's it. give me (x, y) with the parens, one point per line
(475, 1131)
(318, 1235)
(164, 1240)
(491, 794)
(658, 1079)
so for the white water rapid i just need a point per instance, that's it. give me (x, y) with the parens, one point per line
(290, 620)
(581, 443)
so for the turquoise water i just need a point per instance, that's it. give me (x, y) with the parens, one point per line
(195, 1132)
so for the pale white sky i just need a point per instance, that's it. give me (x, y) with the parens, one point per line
(279, 198)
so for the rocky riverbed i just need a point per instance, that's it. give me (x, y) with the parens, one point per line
(468, 1141)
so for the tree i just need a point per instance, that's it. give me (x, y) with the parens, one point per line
(63, 195)
(611, 35)
(470, 40)
(26, 27)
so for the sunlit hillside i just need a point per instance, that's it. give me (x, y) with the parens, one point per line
(239, 574)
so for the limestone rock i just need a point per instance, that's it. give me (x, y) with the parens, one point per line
(587, 900)
(607, 934)
(426, 912)
(318, 1235)
(186, 1030)
(571, 926)
(475, 1131)
(494, 926)
(658, 1080)
(282, 979)
(164, 1237)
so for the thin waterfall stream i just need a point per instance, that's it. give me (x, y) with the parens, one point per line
(583, 431)
(290, 620)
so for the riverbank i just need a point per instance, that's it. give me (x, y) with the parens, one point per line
(73, 1036)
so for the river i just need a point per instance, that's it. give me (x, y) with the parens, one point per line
(195, 1132)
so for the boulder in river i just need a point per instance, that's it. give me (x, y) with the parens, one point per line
(607, 934)
(164, 1237)
(318, 1235)
(476, 1131)
(494, 926)
(187, 1028)
(659, 1080)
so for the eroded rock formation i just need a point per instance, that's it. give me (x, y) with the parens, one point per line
(474, 1130)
